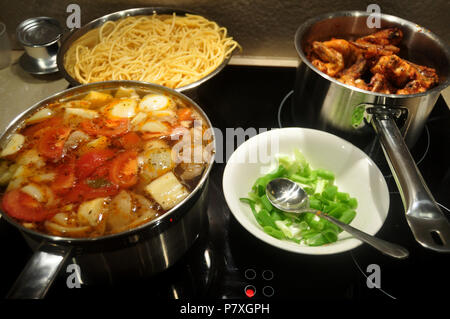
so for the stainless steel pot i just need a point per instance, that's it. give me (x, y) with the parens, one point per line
(70, 38)
(142, 251)
(40, 37)
(323, 102)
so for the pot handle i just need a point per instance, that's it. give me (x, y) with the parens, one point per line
(39, 273)
(427, 222)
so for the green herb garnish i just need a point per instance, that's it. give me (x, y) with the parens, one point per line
(98, 182)
(324, 196)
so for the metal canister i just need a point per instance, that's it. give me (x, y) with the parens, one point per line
(40, 36)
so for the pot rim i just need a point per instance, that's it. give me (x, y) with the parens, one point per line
(76, 34)
(19, 119)
(304, 27)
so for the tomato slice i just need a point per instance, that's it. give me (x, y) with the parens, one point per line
(184, 114)
(92, 170)
(130, 140)
(24, 207)
(105, 127)
(51, 142)
(102, 171)
(124, 169)
(65, 178)
(90, 161)
(51, 122)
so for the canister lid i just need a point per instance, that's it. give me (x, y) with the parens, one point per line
(39, 31)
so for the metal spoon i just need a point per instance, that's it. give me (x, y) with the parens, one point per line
(288, 196)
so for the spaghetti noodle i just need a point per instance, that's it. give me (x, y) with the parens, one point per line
(169, 50)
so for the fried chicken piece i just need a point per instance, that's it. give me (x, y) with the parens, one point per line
(425, 79)
(385, 37)
(359, 83)
(395, 69)
(373, 51)
(426, 76)
(352, 75)
(400, 72)
(380, 43)
(349, 52)
(348, 62)
(356, 70)
(412, 87)
(329, 60)
(379, 83)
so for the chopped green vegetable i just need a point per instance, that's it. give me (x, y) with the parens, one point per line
(320, 186)
(316, 204)
(358, 115)
(266, 203)
(290, 229)
(342, 197)
(337, 211)
(301, 179)
(330, 234)
(260, 185)
(353, 203)
(276, 216)
(274, 232)
(325, 174)
(251, 203)
(317, 240)
(347, 216)
(330, 192)
(98, 182)
(263, 217)
(323, 195)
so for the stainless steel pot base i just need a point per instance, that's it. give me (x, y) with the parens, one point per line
(193, 274)
(38, 66)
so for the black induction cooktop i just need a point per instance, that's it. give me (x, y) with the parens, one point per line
(226, 262)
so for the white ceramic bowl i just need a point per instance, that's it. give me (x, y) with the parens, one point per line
(355, 174)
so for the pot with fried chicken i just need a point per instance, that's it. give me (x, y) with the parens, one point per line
(375, 87)
(347, 66)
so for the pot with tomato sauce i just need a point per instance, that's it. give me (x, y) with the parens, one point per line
(112, 174)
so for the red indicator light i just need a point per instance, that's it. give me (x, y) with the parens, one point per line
(249, 292)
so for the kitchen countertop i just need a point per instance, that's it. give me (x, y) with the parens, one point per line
(19, 90)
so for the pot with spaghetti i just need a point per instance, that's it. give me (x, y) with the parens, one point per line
(164, 46)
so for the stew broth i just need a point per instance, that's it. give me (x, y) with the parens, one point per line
(103, 162)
